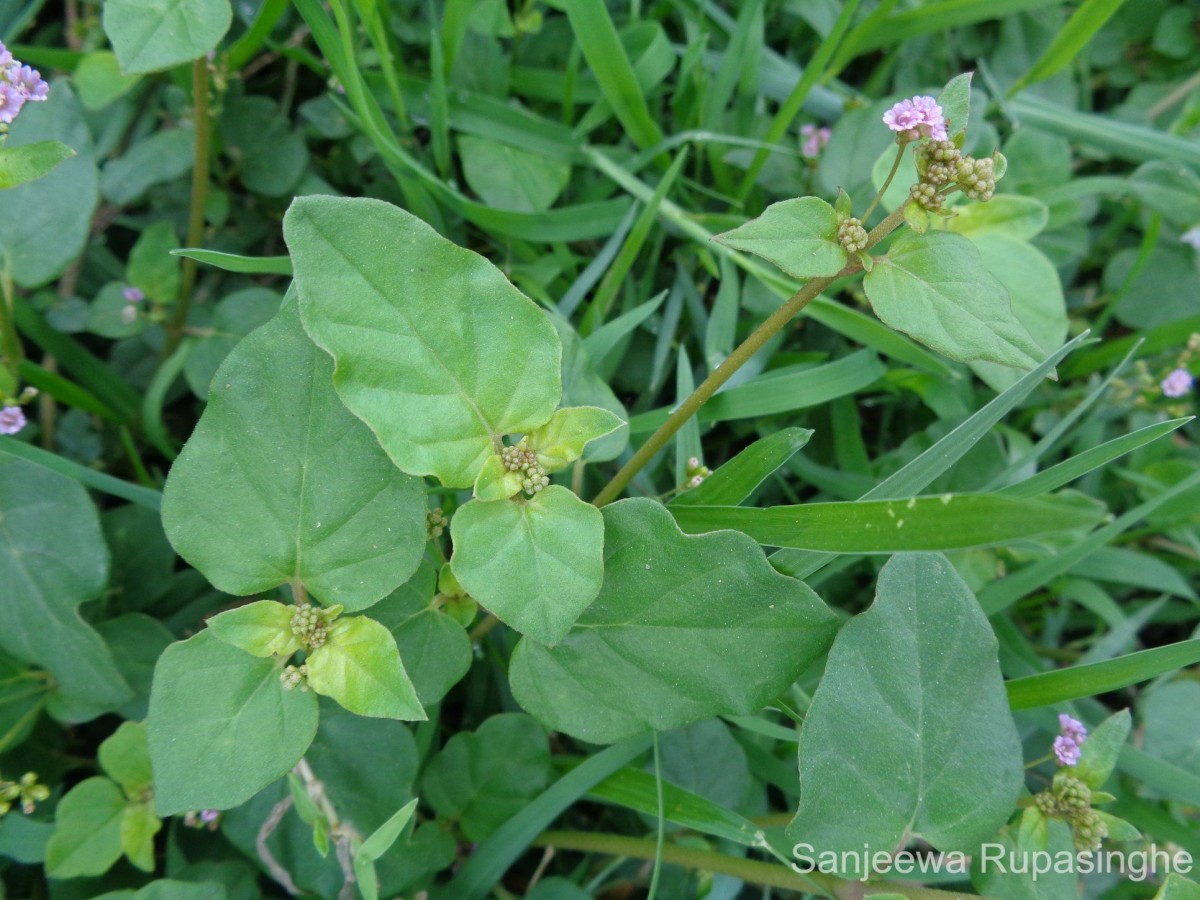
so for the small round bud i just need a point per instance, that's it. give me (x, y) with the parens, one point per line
(852, 236)
(976, 177)
(1089, 831)
(926, 195)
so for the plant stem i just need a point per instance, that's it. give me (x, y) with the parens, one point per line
(195, 233)
(887, 182)
(738, 358)
(751, 870)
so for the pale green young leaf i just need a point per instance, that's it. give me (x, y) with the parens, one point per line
(1098, 754)
(955, 101)
(359, 666)
(99, 81)
(221, 726)
(139, 825)
(30, 162)
(278, 482)
(560, 441)
(684, 628)
(148, 35)
(1176, 887)
(262, 628)
(482, 778)
(87, 830)
(934, 288)
(125, 758)
(536, 563)
(799, 236)
(496, 481)
(909, 733)
(435, 350)
(1012, 215)
(382, 838)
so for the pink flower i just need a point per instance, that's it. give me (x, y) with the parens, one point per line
(6, 57)
(12, 420)
(29, 82)
(814, 141)
(133, 295)
(1072, 729)
(1177, 384)
(1066, 751)
(918, 117)
(11, 101)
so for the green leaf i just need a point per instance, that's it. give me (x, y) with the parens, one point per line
(947, 522)
(1096, 678)
(1037, 298)
(30, 162)
(435, 349)
(1069, 41)
(560, 441)
(44, 224)
(125, 758)
(935, 289)
(233, 262)
(359, 666)
(583, 386)
(955, 101)
(482, 778)
(381, 840)
(262, 628)
(736, 480)
(507, 178)
(1176, 887)
(273, 157)
(1098, 754)
(42, 512)
(278, 482)
(234, 317)
(98, 80)
(909, 734)
(139, 825)
(87, 830)
(148, 35)
(1012, 215)
(151, 265)
(221, 726)
(435, 648)
(156, 159)
(684, 628)
(799, 236)
(537, 563)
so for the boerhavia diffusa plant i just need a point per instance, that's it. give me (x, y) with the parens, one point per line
(565, 513)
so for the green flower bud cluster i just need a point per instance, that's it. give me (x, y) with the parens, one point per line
(295, 677)
(26, 791)
(938, 162)
(521, 459)
(851, 235)
(435, 524)
(926, 195)
(1070, 799)
(977, 177)
(310, 625)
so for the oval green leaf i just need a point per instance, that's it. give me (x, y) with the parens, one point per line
(435, 349)
(684, 628)
(221, 726)
(935, 289)
(148, 35)
(359, 666)
(909, 733)
(535, 563)
(279, 482)
(799, 236)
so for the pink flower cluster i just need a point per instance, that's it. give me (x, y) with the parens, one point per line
(12, 420)
(19, 84)
(1067, 744)
(1177, 384)
(813, 140)
(916, 118)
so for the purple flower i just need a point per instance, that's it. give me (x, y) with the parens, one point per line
(6, 57)
(133, 295)
(1066, 751)
(12, 420)
(209, 815)
(29, 82)
(917, 117)
(11, 101)
(1192, 236)
(1072, 729)
(1177, 384)
(814, 141)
